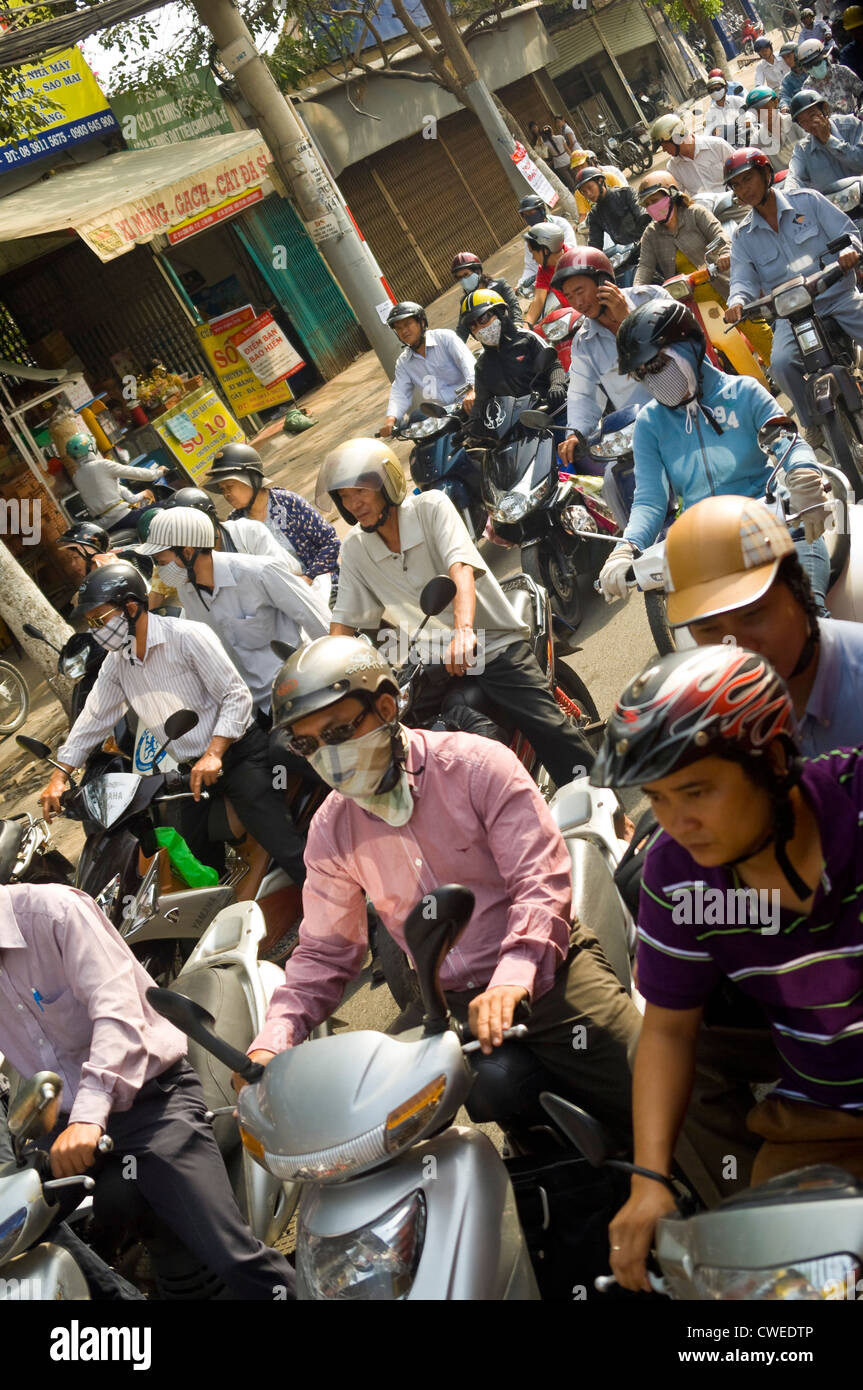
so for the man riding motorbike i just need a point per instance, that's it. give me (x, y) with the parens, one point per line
(795, 75)
(467, 272)
(724, 112)
(430, 356)
(831, 147)
(545, 244)
(709, 736)
(97, 479)
(398, 543)
(837, 84)
(767, 128)
(733, 576)
(699, 434)
(851, 55)
(532, 210)
(614, 178)
(787, 234)
(395, 789)
(695, 161)
(615, 212)
(587, 280)
(770, 70)
(156, 666)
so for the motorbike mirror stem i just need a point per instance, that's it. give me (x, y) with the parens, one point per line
(38, 635)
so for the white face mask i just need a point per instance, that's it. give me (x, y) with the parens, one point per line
(489, 334)
(356, 769)
(113, 635)
(469, 282)
(675, 383)
(172, 574)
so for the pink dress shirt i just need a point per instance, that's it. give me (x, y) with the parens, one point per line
(72, 1001)
(479, 821)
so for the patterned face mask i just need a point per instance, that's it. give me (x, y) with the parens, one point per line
(112, 635)
(357, 767)
(489, 334)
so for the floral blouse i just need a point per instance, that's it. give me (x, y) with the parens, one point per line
(299, 527)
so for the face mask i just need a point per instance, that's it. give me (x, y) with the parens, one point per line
(113, 635)
(356, 769)
(674, 384)
(469, 282)
(819, 71)
(172, 574)
(660, 209)
(489, 334)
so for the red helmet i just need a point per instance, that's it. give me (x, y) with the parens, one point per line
(715, 72)
(584, 260)
(747, 158)
(465, 260)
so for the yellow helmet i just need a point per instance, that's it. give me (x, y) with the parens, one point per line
(721, 554)
(579, 157)
(852, 18)
(478, 302)
(368, 463)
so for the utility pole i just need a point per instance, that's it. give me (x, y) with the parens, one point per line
(300, 168)
(24, 603)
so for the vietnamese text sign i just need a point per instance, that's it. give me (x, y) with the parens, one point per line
(192, 108)
(214, 428)
(537, 180)
(242, 388)
(202, 221)
(266, 349)
(66, 80)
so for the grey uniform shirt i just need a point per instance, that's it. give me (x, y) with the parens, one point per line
(817, 166)
(256, 600)
(376, 582)
(105, 498)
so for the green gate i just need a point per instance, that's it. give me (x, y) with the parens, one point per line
(306, 290)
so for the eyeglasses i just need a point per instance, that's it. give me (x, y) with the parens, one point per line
(95, 623)
(650, 368)
(485, 318)
(307, 744)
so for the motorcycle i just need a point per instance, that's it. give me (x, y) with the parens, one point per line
(624, 260)
(748, 34)
(723, 204)
(727, 348)
(831, 361)
(559, 328)
(532, 506)
(397, 1203)
(28, 854)
(439, 460)
(847, 194)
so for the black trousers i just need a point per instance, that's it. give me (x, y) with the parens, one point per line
(180, 1174)
(248, 780)
(514, 681)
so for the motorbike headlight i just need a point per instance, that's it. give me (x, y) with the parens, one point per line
(73, 666)
(378, 1261)
(847, 197)
(833, 1277)
(542, 489)
(511, 507)
(678, 289)
(791, 300)
(557, 330)
(612, 445)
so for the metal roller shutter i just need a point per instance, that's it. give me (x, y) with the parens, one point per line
(574, 45)
(103, 309)
(625, 27)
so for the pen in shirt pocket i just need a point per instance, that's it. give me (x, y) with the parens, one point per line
(38, 1000)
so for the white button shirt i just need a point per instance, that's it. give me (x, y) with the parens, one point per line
(771, 74)
(705, 169)
(256, 600)
(447, 365)
(105, 498)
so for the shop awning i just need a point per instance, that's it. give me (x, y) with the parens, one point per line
(172, 190)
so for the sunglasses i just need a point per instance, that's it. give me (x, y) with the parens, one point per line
(307, 744)
(650, 368)
(484, 319)
(95, 623)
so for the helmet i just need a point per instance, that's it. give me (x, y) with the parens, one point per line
(585, 260)
(804, 100)
(652, 182)
(239, 462)
(407, 309)
(716, 72)
(653, 326)
(81, 446)
(715, 84)
(362, 463)
(114, 583)
(761, 44)
(531, 202)
(717, 701)
(788, 48)
(721, 554)
(810, 52)
(852, 18)
(478, 302)
(86, 533)
(544, 236)
(465, 260)
(747, 158)
(193, 497)
(324, 672)
(579, 157)
(758, 97)
(145, 521)
(586, 173)
(668, 127)
(807, 9)
(174, 528)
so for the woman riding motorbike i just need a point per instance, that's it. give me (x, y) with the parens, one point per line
(468, 274)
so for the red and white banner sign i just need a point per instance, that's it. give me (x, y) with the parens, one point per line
(266, 349)
(537, 180)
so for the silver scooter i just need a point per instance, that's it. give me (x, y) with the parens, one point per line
(397, 1204)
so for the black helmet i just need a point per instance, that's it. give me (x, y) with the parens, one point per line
(85, 533)
(586, 173)
(237, 461)
(653, 326)
(531, 202)
(193, 497)
(407, 309)
(115, 583)
(804, 100)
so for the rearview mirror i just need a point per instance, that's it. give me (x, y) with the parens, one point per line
(584, 1132)
(437, 595)
(193, 1020)
(434, 410)
(431, 930)
(32, 745)
(37, 1106)
(283, 650)
(775, 430)
(536, 419)
(179, 723)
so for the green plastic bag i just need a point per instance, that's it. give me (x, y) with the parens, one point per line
(190, 869)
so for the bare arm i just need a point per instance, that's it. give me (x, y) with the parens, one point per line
(462, 649)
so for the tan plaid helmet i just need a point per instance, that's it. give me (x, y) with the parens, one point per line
(721, 554)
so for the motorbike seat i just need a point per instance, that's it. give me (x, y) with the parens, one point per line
(596, 905)
(219, 989)
(508, 1085)
(12, 835)
(522, 604)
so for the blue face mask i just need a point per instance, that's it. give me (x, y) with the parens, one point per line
(819, 71)
(469, 282)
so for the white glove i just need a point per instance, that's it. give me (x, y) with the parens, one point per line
(806, 489)
(614, 573)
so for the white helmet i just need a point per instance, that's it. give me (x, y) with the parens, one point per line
(810, 52)
(178, 527)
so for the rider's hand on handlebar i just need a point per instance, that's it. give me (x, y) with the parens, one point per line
(207, 770)
(50, 796)
(74, 1151)
(262, 1057)
(491, 1012)
(387, 427)
(630, 1234)
(733, 313)
(723, 262)
(848, 258)
(614, 575)
(467, 401)
(571, 447)
(462, 651)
